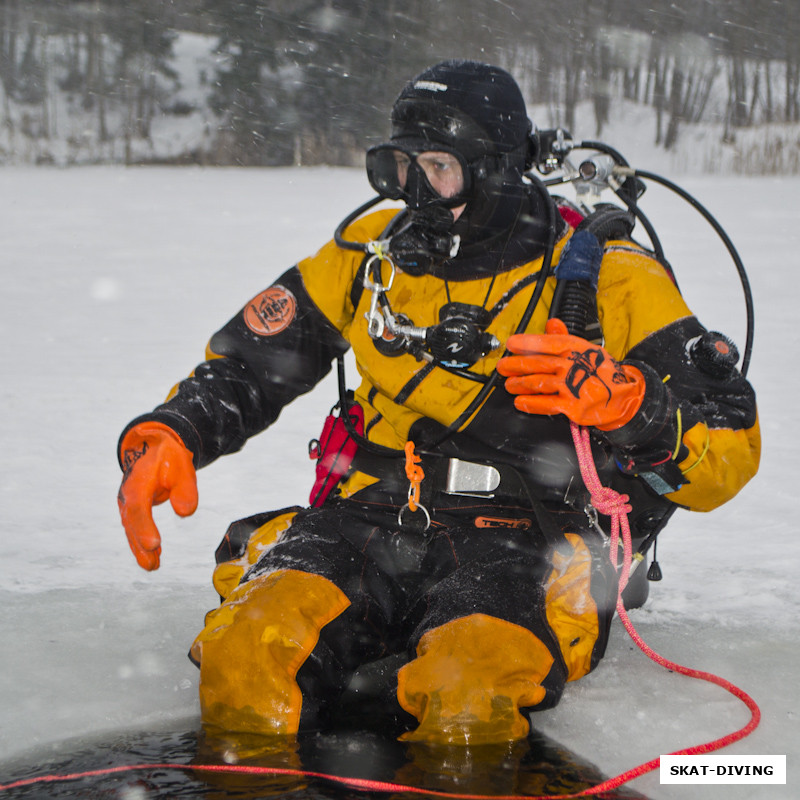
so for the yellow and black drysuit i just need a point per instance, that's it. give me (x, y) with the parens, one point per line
(508, 593)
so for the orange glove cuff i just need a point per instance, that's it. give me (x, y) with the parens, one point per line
(150, 432)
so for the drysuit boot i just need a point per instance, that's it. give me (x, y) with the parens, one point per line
(469, 680)
(253, 645)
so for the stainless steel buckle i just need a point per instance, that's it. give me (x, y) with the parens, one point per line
(469, 478)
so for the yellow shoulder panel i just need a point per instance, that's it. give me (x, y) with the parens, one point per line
(635, 298)
(328, 275)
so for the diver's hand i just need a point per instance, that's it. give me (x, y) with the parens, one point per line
(556, 373)
(156, 466)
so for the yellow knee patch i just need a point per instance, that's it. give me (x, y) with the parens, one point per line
(253, 645)
(469, 680)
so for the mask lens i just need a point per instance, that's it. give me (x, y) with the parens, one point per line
(384, 171)
(443, 172)
(396, 174)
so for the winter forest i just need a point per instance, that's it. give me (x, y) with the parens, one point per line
(305, 82)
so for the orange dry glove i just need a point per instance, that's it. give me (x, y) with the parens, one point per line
(562, 374)
(157, 466)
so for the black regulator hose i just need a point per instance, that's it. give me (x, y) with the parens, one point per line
(344, 415)
(541, 280)
(338, 234)
(629, 192)
(720, 231)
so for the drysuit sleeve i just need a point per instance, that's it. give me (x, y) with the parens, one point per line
(696, 438)
(279, 346)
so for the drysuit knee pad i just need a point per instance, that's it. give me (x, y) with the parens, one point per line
(253, 645)
(469, 680)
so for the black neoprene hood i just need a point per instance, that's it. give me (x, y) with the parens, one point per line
(477, 111)
(474, 108)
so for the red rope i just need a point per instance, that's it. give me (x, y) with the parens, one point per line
(362, 784)
(615, 505)
(606, 501)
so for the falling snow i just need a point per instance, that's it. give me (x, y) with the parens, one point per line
(114, 280)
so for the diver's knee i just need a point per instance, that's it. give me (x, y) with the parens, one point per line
(253, 645)
(470, 679)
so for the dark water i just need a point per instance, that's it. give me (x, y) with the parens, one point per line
(533, 767)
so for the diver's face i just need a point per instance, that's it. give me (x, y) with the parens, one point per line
(443, 172)
(420, 177)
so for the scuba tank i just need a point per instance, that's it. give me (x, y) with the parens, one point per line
(575, 297)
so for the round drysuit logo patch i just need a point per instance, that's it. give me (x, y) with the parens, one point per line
(271, 311)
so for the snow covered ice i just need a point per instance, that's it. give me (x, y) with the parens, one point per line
(113, 280)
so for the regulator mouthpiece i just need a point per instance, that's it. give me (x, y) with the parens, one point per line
(424, 241)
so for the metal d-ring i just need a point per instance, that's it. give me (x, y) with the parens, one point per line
(424, 511)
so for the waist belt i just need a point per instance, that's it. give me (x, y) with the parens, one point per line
(446, 476)
(454, 486)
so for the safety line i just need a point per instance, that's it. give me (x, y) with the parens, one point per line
(362, 784)
(612, 503)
